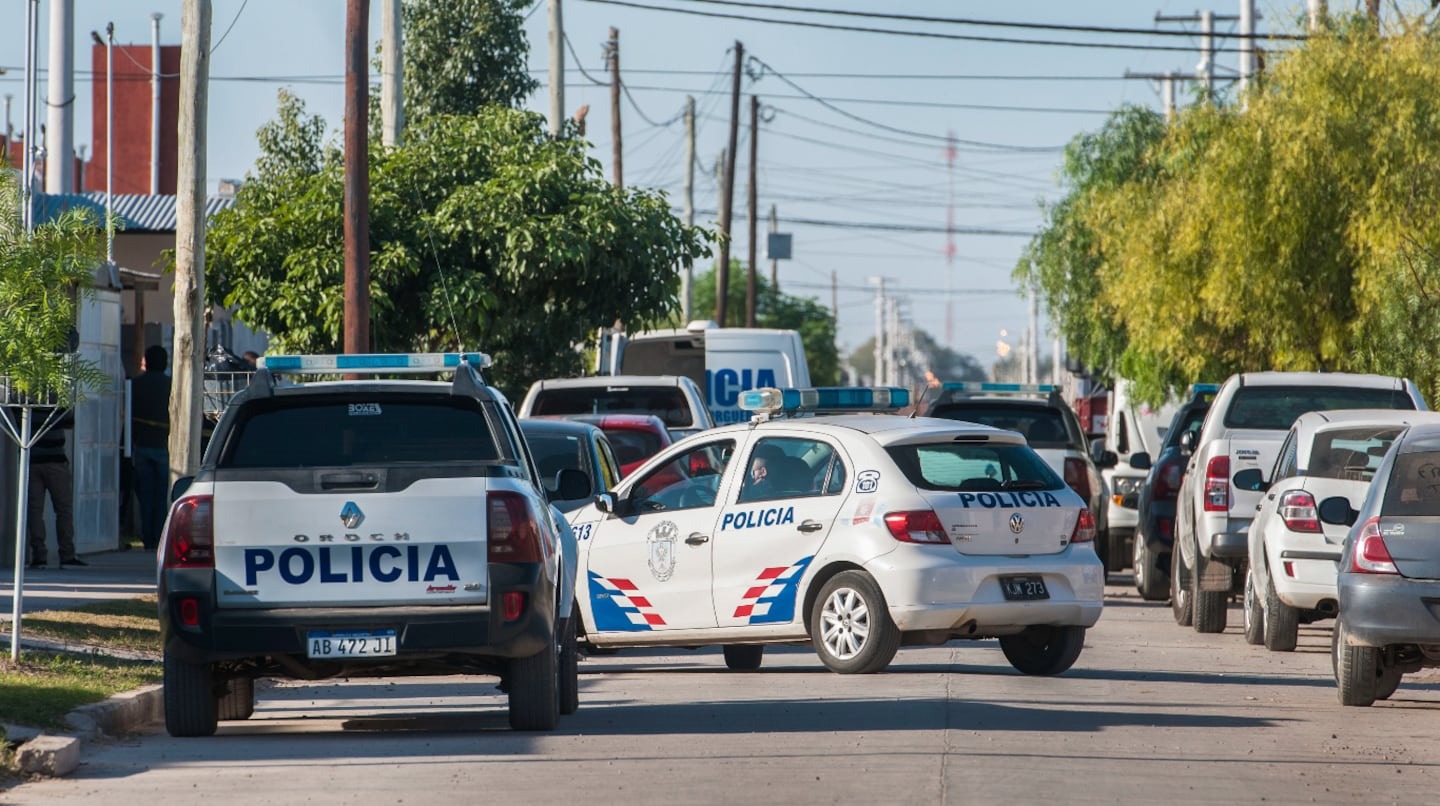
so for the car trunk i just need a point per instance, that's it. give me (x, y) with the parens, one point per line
(1322, 488)
(1414, 544)
(1249, 449)
(1005, 522)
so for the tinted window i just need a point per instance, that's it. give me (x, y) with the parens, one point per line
(953, 466)
(1414, 488)
(334, 432)
(783, 467)
(689, 481)
(1186, 420)
(684, 355)
(634, 446)
(1353, 453)
(556, 452)
(1042, 427)
(1275, 408)
(666, 402)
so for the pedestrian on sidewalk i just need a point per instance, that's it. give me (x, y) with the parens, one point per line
(50, 473)
(150, 442)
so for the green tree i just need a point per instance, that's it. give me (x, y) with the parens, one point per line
(812, 320)
(485, 233)
(462, 55)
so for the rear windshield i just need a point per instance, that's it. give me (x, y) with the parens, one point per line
(1042, 427)
(634, 446)
(331, 432)
(1186, 420)
(556, 452)
(666, 402)
(1275, 408)
(975, 467)
(1352, 454)
(1414, 489)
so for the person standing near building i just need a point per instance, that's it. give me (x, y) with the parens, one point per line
(150, 441)
(50, 473)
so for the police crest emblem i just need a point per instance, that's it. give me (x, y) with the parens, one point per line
(661, 541)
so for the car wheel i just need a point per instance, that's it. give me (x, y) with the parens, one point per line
(1387, 684)
(534, 690)
(1211, 607)
(1149, 583)
(743, 657)
(1356, 670)
(850, 625)
(191, 707)
(1044, 650)
(1254, 616)
(238, 701)
(569, 665)
(1282, 622)
(1180, 588)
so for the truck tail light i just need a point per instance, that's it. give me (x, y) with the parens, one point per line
(1077, 477)
(190, 534)
(1371, 555)
(1297, 509)
(513, 532)
(1167, 480)
(1084, 528)
(918, 526)
(1217, 484)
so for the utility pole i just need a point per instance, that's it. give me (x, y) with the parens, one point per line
(1247, 43)
(59, 150)
(556, 41)
(1318, 11)
(774, 262)
(727, 196)
(892, 341)
(612, 57)
(1205, 70)
(32, 101)
(950, 154)
(186, 388)
(835, 298)
(687, 278)
(753, 203)
(155, 103)
(392, 73)
(879, 379)
(357, 177)
(1169, 82)
(1372, 8)
(1032, 346)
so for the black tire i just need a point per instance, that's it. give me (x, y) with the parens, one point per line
(191, 707)
(1387, 684)
(1044, 650)
(534, 691)
(238, 701)
(1254, 613)
(1150, 583)
(569, 666)
(1282, 622)
(1102, 550)
(1211, 607)
(1356, 670)
(1180, 604)
(1115, 553)
(851, 614)
(743, 657)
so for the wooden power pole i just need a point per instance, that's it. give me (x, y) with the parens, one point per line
(727, 196)
(754, 214)
(612, 55)
(357, 177)
(187, 366)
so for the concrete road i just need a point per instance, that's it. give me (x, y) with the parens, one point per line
(1151, 713)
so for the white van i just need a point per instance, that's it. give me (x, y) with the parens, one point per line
(1133, 428)
(723, 362)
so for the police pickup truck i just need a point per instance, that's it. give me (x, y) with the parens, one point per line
(364, 528)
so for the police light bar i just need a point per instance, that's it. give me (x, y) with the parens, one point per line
(378, 363)
(1202, 388)
(978, 387)
(827, 398)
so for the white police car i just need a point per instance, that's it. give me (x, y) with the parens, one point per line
(859, 532)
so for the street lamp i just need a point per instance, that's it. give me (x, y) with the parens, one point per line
(109, 44)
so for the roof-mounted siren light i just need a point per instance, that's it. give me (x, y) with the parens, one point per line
(373, 363)
(699, 325)
(827, 399)
(987, 388)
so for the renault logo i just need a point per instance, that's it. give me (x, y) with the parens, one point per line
(352, 517)
(1017, 523)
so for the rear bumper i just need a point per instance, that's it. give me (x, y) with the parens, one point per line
(1380, 610)
(1313, 567)
(1233, 544)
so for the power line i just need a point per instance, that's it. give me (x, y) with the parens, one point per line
(230, 27)
(880, 76)
(571, 47)
(1061, 110)
(890, 227)
(901, 289)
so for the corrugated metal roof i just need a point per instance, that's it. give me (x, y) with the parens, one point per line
(138, 212)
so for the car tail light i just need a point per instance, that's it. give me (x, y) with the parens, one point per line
(1084, 528)
(1167, 480)
(1077, 477)
(1297, 509)
(189, 608)
(1217, 484)
(514, 534)
(514, 604)
(190, 535)
(1371, 555)
(918, 526)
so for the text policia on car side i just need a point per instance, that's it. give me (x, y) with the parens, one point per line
(362, 528)
(826, 520)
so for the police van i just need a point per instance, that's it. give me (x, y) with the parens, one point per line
(830, 520)
(364, 528)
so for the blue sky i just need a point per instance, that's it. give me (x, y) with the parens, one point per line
(815, 163)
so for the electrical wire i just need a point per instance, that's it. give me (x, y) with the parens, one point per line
(229, 28)
(896, 227)
(1053, 110)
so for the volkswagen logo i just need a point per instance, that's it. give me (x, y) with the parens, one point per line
(352, 517)
(1017, 523)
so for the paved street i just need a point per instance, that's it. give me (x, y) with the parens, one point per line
(1150, 712)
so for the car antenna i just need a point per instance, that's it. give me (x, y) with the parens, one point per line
(931, 382)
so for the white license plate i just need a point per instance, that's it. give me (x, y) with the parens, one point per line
(350, 644)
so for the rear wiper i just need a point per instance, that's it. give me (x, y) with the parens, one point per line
(1023, 484)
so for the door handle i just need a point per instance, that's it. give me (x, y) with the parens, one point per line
(697, 539)
(810, 526)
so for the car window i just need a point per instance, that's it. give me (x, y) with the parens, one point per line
(666, 402)
(1042, 427)
(633, 446)
(1122, 434)
(787, 467)
(952, 466)
(689, 481)
(609, 466)
(1414, 486)
(1285, 460)
(1274, 408)
(1187, 420)
(1353, 454)
(556, 452)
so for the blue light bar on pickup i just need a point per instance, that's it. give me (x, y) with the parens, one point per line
(826, 398)
(1200, 388)
(986, 388)
(377, 363)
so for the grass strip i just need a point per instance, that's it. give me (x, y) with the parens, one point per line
(123, 624)
(43, 687)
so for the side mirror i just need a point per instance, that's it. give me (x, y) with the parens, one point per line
(1252, 480)
(1336, 510)
(1097, 450)
(1141, 461)
(611, 504)
(1187, 442)
(571, 484)
(182, 485)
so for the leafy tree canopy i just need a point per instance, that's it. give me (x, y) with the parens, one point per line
(773, 309)
(462, 55)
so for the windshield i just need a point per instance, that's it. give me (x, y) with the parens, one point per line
(1274, 408)
(1042, 427)
(1414, 488)
(555, 452)
(666, 402)
(1353, 454)
(633, 446)
(960, 467)
(1189, 419)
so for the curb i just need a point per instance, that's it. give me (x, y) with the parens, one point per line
(122, 713)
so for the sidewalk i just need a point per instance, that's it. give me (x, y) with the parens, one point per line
(109, 575)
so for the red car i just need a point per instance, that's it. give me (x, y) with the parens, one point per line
(635, 437)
